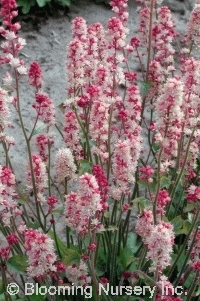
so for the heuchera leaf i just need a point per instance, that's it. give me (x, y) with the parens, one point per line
(42, 3)
(85, 166)
(18, 263)
(26, 5)
(68, 255)
(64, 2)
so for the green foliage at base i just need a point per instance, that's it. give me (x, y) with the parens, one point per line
(26, 5)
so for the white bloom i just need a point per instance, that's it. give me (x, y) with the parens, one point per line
(64, 165)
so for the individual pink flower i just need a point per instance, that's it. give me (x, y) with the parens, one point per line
(45, 107)
(41, 254)
(64, 165)
(35, 75)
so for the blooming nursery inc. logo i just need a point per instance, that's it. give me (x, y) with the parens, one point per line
(130, 144)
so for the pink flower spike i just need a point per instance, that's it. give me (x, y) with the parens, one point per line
(35, 75)
(45, 108)
(41, 253)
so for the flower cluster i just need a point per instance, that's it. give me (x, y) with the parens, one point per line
(192, 34)
(160, 243)
(194, 255)
(44, 107)
(169, 120)
(8, 206)
(39, 174)
(72, 134)
(64, 165)
(35, 75)
(43, 142)
(81, 207)
(193, 194)
(13, 43)
(159, 240)
(78, 275)
(41, 254)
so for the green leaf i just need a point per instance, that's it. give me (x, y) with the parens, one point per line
(42, 3)
(23, 196)
(155, 146)
(197, 293)
(58, 210)
(37, 297)
(26, 5)
(68, 255)
(111, 228)
(85, 167)
(40, 128)
(144, 87)
(165, 182)
(33, 225)
(184, 229)
(126, 257)
(64, 2)
(132, 242)
(181, 261)
(101, 264)
(189, 207)
(2, 297)
(189, 280)
(61, 107)
(180, 225)
(144, 184)
(18, 263)
(142, 203)
(1, 287)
